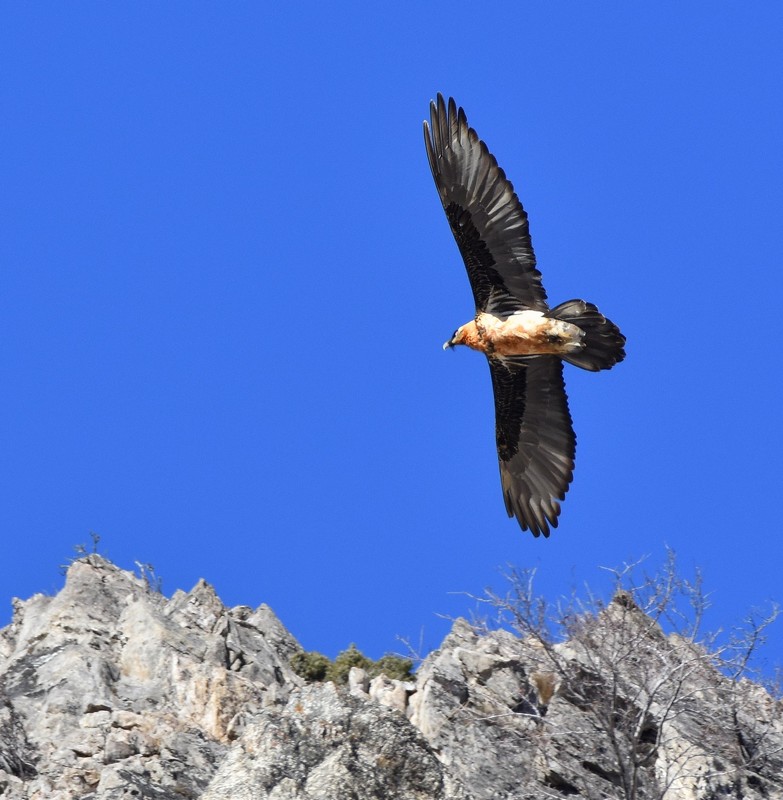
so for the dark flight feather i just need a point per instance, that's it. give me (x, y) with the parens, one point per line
(484, 213)
(535, 439)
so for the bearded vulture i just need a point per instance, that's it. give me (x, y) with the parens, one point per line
(523, 339)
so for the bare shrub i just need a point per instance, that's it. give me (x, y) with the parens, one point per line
(651, 687)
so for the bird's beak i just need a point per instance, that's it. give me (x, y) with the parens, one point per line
(448, 345)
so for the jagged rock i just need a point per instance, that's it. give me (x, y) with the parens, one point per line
(110, 687)
(110, 691)
(358, 681)
(391, 692)
(328, 743)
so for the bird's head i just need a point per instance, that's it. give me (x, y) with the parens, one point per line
(458, 337)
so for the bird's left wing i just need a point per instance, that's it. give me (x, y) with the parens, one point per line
(484, 213)
(535, 440)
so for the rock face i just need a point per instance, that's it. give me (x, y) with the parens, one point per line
(109, 690)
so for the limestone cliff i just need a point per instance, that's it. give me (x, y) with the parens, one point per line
(109, 690)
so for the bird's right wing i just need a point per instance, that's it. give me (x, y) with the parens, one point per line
(535, 440)
(484, 213)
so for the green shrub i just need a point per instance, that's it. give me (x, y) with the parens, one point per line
(311, 666)
(339, 669)
(394, 667)
(316, 667)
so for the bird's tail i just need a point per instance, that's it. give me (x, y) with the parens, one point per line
(603, 342)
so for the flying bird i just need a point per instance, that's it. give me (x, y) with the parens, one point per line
(523, 339)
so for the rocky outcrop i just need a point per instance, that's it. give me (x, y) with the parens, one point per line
(326, 743)
(644, 717)
(109, 690)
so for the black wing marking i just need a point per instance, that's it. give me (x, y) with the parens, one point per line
(535, 439)
(484, 213)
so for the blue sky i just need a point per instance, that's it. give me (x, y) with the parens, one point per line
(226, 278)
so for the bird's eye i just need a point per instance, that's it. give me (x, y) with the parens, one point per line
(454, 335)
